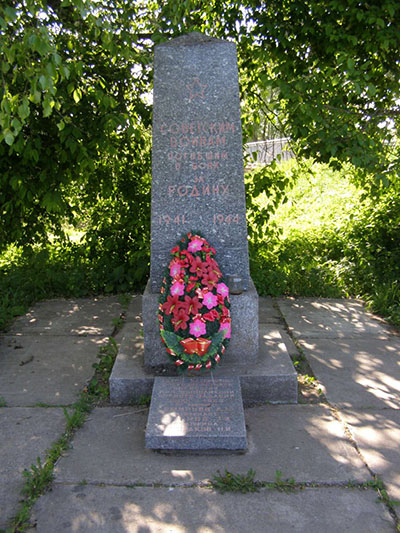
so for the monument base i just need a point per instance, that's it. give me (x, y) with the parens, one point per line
(243, 345)
(270, 378)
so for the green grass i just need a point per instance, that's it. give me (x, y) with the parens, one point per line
(328, 238)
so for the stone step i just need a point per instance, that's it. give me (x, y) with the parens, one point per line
(272, 378)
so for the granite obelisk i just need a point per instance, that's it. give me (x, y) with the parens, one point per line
(197, 178)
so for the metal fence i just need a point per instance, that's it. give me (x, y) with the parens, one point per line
(263, 152)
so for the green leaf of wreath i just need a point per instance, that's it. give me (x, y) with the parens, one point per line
(172, 341)
(215, 344)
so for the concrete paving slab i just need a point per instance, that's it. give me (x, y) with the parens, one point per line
(134, 311)
(329, 318)
(42, 368)
(81, 509)
(83, 316)
(267, 312)
(377, 434)
(357, 372)
(303, 441)
(278, 333)
(26, 433)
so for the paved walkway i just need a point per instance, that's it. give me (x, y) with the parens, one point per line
(108, 482)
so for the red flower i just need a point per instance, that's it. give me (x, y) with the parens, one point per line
(171, 304)
(192, 283)
(220, 299)
(211, 315)
(197, 266)
(175, 250)
(180, 319)
(192, 305)
(210, 280)
(225, 313)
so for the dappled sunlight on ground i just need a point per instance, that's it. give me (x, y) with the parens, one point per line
(328, 433)
(349, 366)
(377, 434)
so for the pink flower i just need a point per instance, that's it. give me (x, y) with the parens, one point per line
(210, 300)
(226, 327)
(222, 289)
(177, 288)
(174, 269)
(195, 244)
(197, 328)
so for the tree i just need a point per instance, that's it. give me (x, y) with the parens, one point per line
(73, 78)
(75, 74)
(330, 71)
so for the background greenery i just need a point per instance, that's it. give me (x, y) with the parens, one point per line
(75, 143)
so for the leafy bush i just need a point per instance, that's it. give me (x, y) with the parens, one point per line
(327, 238)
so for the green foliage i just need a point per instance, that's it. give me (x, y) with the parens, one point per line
(37, 479)
(229, 482)
(328, 238)
(99, 384)
(244, 483)
(283, 485)
(72, 112)
(144, 400)
(63, 269)
(323, 73)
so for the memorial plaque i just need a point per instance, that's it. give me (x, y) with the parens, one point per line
(197, 174)
(196, 414)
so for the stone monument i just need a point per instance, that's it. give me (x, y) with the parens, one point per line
(197, 185)
(197, 179)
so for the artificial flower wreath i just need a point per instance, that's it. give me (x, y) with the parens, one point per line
(194, 315)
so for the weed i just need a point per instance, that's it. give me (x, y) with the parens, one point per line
(3, 402)
(98, 385)
(235, 482)
(124, 300)
(283, 485)
(75, 419)
(144, 400)
(37, 479)
(308, 380)
(118, 323)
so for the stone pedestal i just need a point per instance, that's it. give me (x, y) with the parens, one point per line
(242, 348)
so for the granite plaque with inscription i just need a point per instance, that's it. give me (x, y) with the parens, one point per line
(197, 174)
(196, 414)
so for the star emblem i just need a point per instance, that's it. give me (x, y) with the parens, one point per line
(196, 89)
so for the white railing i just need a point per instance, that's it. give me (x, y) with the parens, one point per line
(263, 152)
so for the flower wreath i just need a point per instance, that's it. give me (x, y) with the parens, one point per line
(194, 315)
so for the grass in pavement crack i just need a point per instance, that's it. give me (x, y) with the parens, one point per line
(229, 482)
(39, 476)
